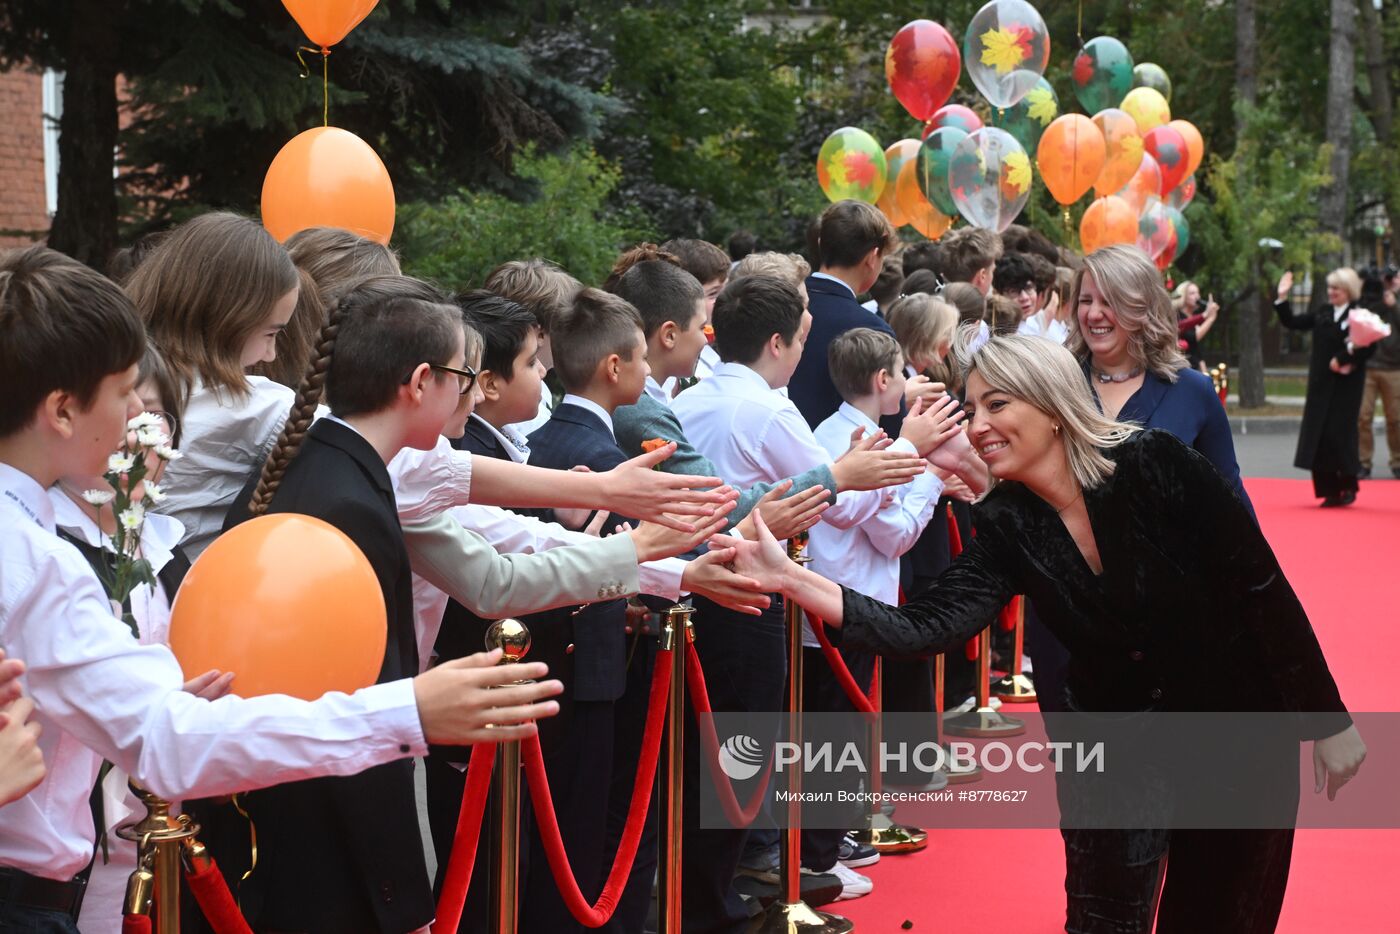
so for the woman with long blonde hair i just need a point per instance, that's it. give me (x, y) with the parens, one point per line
(1100, 523)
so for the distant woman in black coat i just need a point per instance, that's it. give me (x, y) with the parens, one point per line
(1100, 523)
(1327, 444)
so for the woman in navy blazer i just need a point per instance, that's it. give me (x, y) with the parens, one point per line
(1125, 337)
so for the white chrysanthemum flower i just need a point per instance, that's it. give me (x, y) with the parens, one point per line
(145, 420)
(132, 518)
(99, 497)
(120, 463)
(166, 453)
(155, 494)
(152, 437)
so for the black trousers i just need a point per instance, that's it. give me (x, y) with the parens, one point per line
(745, 664)
(1333, 483)
(822, 693)
(1216, 881)
(446, 785)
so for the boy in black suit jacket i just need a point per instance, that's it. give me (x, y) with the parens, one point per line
(600, 358)
(344, 854)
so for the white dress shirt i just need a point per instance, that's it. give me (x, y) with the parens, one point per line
(866, 557)
(709, 359)
(658, 392)
(430, 482)
(223, 441)
(150, 606)
(517, 446)
(588, 405)
(752, 433)
(99, 694)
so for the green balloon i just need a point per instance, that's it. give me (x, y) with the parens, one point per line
(1029, 116)
(1148, 75)
(935, 159)
(1103, 73)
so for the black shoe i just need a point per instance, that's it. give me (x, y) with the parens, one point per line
(1395, 472)
(1329, 502)
(1348, 498)
(1364, 473)
(818, 888)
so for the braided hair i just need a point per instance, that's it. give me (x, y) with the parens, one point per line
(384, 293)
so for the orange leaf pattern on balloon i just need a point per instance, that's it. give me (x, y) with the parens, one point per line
(1018, 171)
(1004, 49)
(860, 169)
(930, 69)
(1042, 105)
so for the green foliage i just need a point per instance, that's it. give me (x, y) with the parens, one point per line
(457, 241)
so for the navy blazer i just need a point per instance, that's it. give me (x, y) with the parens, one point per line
(834, 312)
(574, 436)
(1190, 409)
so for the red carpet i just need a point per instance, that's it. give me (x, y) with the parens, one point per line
(972, 882)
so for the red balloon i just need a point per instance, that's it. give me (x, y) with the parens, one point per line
(956, 116)
(1168, 147)
(922, 65)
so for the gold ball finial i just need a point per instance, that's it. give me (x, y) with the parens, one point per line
(511, 637)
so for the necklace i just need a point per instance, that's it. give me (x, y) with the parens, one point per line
(1103, 377)
(1070, 503)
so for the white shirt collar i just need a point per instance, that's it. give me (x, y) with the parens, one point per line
(24, 493)
(654, 389)
(744, 373)
(827, 275)
(159, 535)
(590, 406)
(517, 449)
(857, 417)
(1338, 311)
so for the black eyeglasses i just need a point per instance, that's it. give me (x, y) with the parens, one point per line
(466, 377)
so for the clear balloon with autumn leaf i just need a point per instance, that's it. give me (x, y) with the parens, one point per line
(1030, 116)
(1006, 48)
(990, 178)
(1183, 194)
(851, 166)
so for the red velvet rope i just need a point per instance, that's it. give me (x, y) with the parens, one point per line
(463, 858)
(597, 915)
(700, 700)
(136, 924)
(215, 900)
(858, 698)
(1008, 615)
(955, 548)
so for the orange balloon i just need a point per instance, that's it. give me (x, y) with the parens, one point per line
(326, 22)
(328, 177)
(1143, 188)
(918, 212)
(1123, 149)
(896, 154)
(1070, 156)
(1108, 221)
(1195, 144)
(288, 604)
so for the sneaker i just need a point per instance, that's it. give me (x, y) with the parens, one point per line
(854, 855)
(853, 884)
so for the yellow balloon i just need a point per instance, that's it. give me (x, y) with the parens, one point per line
(1148, 108)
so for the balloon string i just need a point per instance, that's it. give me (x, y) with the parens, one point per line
(325, 54)
(1079, 29)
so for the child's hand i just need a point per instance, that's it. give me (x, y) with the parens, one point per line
(762, 560)
(634, 489)
(21, 762)
(10, 670)
(711, 576)
(655, 541)
(211, 685)
(928, 427)
(475, 700)
(787, 516)
(921, 388)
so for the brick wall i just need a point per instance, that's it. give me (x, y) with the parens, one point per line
(23, 205)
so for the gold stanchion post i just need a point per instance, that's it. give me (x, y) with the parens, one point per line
(677, 637)
(1016, 688)
(882, 833)
(513, 639)
(155, 885)
(790, 914)
(983, 722)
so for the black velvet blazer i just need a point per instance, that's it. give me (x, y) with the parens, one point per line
(1191, 612)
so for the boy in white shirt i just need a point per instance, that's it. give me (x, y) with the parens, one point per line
(752, 433)
(867, 368)
(67, 389)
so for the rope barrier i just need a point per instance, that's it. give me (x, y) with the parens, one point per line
(598, 914)
(464, 841)
(136, 924)
(858, 698)
(215, 901)
(700, 700)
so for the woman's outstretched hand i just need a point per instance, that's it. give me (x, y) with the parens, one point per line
(763, 560)
(1336, 760)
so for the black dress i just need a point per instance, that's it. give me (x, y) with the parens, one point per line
(1236, 639)
(1327, 443)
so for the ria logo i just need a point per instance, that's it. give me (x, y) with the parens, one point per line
(740, 757)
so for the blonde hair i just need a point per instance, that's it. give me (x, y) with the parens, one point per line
(542, 288)
(1346, 279)
(205, 290)
(1131, 285)
(920, 323)
(789, 267)
(1047, 377)
(1179, 295)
